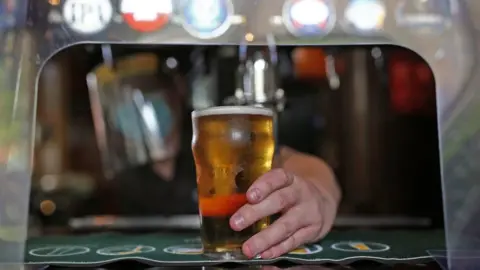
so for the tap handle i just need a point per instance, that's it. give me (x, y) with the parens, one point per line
(257, 78)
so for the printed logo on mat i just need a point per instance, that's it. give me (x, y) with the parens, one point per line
(196, 240)
(307, 250)
(193, 249)
(358, 246)
(125, 250)
(59, 251)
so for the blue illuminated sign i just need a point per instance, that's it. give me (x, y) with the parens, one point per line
(207, 18)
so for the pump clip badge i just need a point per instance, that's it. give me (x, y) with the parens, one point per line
(431, 16)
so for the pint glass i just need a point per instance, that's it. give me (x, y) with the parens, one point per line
(232, 146)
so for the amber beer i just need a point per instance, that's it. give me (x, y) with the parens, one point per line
(232, 146)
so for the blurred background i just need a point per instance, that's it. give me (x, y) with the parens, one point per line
(370, 112)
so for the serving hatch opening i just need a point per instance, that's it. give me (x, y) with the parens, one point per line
(368, 111)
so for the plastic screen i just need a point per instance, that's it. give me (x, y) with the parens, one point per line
(443, 32)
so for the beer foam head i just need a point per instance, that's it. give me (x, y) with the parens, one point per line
(228, 110)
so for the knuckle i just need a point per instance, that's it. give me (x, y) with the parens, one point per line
(291, 243)
(274, 180)
(277, 251)
(316, 233)
(314, 215)
(249, 213)
(278, 171)
(281, 176)
(287, 227)
(286, 246)
(320, 210)
(285, 199)
(306, 187)
(270, 184)
(261, 241)
(289, 177)
(315, 208)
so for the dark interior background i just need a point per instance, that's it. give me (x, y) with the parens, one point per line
(384, 151)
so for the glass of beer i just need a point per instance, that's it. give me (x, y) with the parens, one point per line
(232, 147)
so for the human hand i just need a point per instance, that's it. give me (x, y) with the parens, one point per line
(298, 267)
(302, 206)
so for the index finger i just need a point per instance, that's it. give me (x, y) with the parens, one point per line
(268, 183)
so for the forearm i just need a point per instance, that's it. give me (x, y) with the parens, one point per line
(313, 169)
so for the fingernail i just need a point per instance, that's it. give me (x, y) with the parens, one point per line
(254, 194)
(266, 255)
(238, 221)
(252, 252)
(248, 251)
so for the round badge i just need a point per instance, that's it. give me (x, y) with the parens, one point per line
(59, 251)
(431, 16)
(207, 19)
(191, 249)
(366, 15)
(146, 15)
(357, 246)
(125, 250)
(308, 17)
(87, 16)
(307, 250)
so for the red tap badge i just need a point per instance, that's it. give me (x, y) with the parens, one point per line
(146, 15)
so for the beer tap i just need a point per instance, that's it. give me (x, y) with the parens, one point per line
(257, 78)
(331, 71)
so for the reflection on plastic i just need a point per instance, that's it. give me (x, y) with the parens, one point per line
(7, 14)
(457, 259)
(366, 14)
(14, 194)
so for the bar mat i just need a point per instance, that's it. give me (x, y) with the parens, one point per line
(341, 247)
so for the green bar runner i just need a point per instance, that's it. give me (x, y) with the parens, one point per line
(342, 247)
